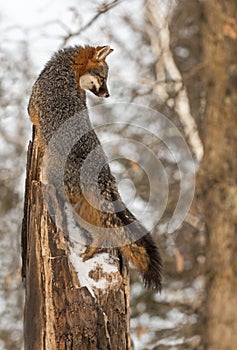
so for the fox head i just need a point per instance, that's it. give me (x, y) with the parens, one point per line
(95, 76)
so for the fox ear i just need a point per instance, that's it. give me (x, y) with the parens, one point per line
(102, 52)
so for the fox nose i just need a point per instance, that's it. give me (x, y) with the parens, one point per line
(103, 91)
(105, 94)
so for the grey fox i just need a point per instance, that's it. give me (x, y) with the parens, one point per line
(58, 94)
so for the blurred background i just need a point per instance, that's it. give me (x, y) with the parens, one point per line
(178, 60)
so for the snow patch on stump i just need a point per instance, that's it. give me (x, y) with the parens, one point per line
(102, 266)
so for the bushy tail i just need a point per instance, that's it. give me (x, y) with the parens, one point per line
(152, 274)
(144, 254)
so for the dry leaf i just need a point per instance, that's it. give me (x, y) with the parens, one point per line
(179, 260)
(140, 331)
(134, 165)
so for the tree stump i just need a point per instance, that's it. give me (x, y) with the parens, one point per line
(69, 304)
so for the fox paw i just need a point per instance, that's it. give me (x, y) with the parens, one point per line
(89, 253)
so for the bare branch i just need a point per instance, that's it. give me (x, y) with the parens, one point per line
(103, 8)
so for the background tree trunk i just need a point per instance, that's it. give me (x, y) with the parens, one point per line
(60, 311)
(207, 30)
(218, 173)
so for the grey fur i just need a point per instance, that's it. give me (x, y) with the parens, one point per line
(69, 141)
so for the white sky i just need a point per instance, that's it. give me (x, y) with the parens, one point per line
(32, 21)
(29, 13)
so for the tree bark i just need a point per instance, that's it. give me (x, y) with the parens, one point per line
(218, 185)
(208, 29)
(62, 311)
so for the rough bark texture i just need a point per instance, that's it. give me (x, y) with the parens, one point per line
(59, 313)
(218, 173)
(208, 30)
